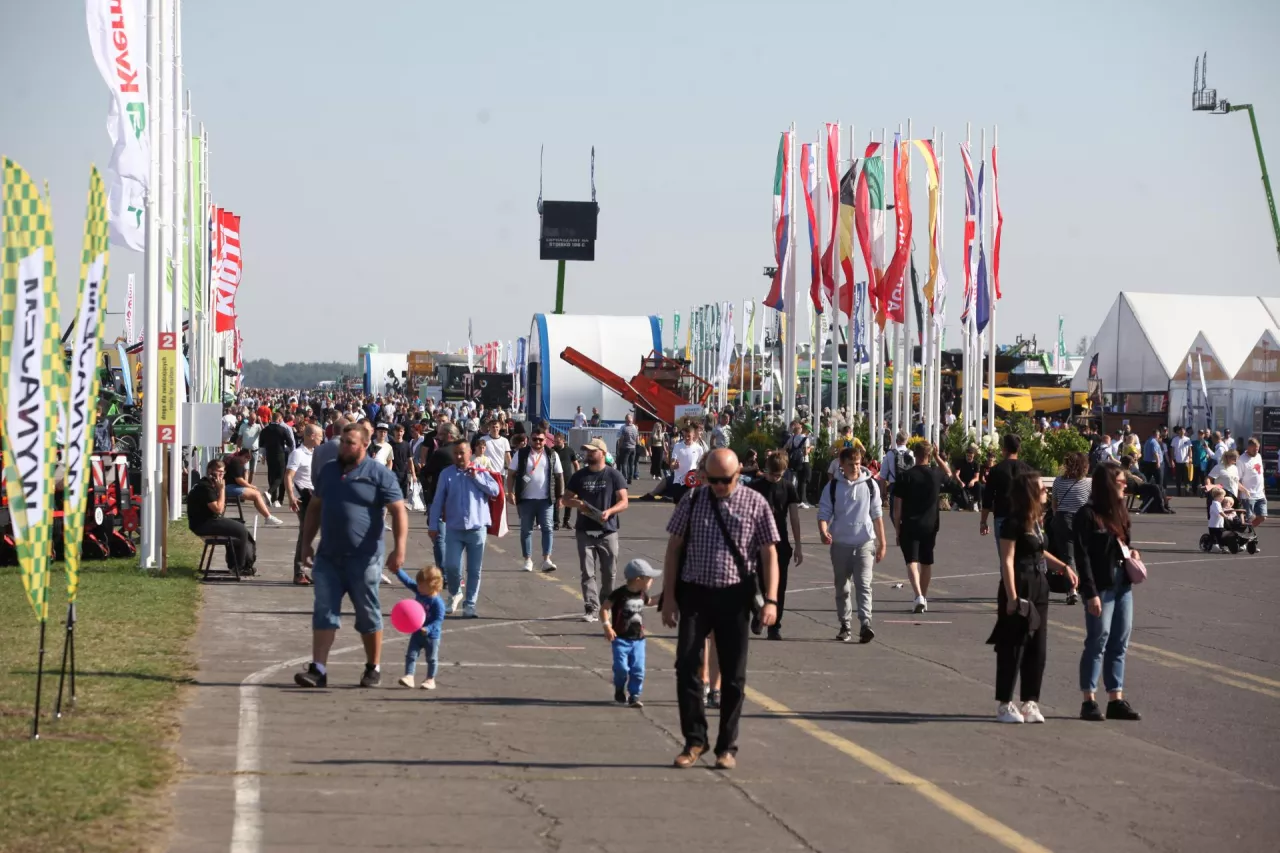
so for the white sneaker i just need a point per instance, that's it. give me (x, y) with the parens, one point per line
(448, 604)
(454, 602)
(386, 526)
(274, 521)
(548, 565)
(386, 579)
(922, 605)
(1008, 713)
(528, 565)
(407, 681)
(591, 616)
(1031, 712)
(429, 684)
(469, 612)
(1216, 549)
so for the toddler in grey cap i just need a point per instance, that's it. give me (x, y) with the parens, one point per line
(623, 620)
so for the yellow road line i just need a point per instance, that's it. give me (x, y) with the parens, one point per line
(952, 805)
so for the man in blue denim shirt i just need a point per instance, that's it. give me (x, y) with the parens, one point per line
(347, 509)
(462, 503)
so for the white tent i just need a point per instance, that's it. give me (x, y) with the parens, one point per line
(616, 343)
(1144, 343)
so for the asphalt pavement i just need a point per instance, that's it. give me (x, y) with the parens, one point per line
(888, 746)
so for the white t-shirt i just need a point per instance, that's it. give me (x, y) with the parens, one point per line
(300, 465)
(496, 449)
(1215, 515)
(383, 454)
(1181, 447)
(388, 413)
(229, 422)
(1227, 476)
(1251, 475)
(687, 457)
(579, 420)
(537, 482)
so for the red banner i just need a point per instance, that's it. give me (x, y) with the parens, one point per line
(893, 290)
(227, 266)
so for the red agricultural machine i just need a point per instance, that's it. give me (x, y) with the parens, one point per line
(662, 385)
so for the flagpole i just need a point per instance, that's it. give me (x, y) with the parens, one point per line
(940, 303)
(833, 239)
(926, 326)
(148, 556)
(970, 417)
(879, 333)
(176, 186)
(991, 300)
(189, 265)
(788, 327)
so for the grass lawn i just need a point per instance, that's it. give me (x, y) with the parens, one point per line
(96, 780)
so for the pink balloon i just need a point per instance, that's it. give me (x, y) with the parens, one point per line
(408, 616)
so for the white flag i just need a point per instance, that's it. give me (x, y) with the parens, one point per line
(118, 38)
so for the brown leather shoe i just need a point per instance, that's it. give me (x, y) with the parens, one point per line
(726, 761)
(689, 757)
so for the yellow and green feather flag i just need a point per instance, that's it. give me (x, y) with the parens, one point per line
(81, 405)
(30, 366)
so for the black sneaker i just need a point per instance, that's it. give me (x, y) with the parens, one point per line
(1120, 709)
(313, 677)
(635, 702)
(371, 678)
(619, 695)
(1090, 711)
(713, 699)
(775, 632)
(844, 635)
(866, 635)
(1072, 598)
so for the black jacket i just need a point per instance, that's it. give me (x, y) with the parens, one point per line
(1097, 552)
(995, 497)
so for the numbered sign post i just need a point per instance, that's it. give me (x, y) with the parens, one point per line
(167, 388)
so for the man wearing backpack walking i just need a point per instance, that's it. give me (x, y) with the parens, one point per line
(896, 460)
(798, 447)
(850, 520)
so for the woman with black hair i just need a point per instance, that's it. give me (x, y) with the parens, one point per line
(1101, 537)
(1022, 624)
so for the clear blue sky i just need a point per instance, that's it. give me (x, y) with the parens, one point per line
(385, 157)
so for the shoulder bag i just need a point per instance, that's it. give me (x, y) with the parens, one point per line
(757, 596)
(1133, 566)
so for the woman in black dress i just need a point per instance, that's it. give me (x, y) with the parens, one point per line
(1021, 633)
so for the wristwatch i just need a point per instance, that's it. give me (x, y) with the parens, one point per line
(771, 601)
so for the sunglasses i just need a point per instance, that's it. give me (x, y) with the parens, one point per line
(721, 481)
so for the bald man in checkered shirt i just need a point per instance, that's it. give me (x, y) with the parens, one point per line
(710, 592)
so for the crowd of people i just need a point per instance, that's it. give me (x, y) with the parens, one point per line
(352, 468)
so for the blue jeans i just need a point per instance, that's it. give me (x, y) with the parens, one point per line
(628, 665)
(1107, 639)
(354, 577)
(472, 542)
(542, 511)
(437, 547)
(420, 642)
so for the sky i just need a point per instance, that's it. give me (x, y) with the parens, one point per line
(384, 157)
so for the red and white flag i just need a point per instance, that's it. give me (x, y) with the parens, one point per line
(995, 247)
(227, 268)
(829, 259)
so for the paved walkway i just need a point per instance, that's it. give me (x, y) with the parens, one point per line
(889, 746)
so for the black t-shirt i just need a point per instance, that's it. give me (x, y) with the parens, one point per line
(234, 467)
(439, 459)
(567, 457)
(276, 438)
(918, 486)
(598, 489)
(995, 497)
(198, 500)
(400, 458)
(781, 496)
(1028, 548)
(967, 471)
(626, 612)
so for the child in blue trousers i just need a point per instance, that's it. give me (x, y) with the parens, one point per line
(426, 590)
(623, 618)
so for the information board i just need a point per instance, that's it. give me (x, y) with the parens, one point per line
(568, 231)
(167, 388)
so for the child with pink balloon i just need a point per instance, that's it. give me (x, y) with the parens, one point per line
(421, 618)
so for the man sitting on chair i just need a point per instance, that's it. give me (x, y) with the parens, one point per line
(206, 502)
(237, 485)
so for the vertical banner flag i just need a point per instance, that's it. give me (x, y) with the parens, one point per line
(860, 324)
(868, 200)
(809, 184)
(1204, 389)
(82, 408)
(117, 37)
(892, 297)
(726, 343)
(29, 393)
(970, 230)
(995, 246)
(842, 226)
(980, 280)
(931, 164)
(833, 212)
(471, 348)
(688, 336)
(748, 326)
(128, 312)
(198, 228)
(675, 331)
(1060, 353)
(915, 296)
(781, 222)
(229, 266)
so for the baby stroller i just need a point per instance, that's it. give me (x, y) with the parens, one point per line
(1236, 534)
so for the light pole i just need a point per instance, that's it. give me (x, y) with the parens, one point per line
(1204, 99)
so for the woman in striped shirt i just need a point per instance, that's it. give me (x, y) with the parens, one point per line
(1070, 492)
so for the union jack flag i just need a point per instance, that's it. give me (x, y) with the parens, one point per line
(970, 229)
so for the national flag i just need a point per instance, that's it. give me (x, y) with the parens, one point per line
(931, 165)
(970, 229)
(995, 246)
(980, 281)
(781, 224)
(892, 297)
(809, 181)
(843, 225)
(833, 206)
(869, 219)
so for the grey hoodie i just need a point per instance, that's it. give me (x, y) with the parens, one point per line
(857, 506)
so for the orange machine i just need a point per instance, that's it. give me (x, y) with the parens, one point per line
(661, 385)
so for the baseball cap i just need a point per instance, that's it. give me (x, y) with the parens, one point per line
(639, 568)
(381, 426)
(597, 444)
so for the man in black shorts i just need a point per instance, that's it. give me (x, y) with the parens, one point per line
(916, 516)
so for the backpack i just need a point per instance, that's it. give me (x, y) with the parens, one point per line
(795, 452)
(831, 490)
(902, 460)
(1097, 456)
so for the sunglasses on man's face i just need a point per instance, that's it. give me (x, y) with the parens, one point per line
(721, 481)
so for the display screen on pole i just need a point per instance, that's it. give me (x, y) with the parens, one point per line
(568, 231)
